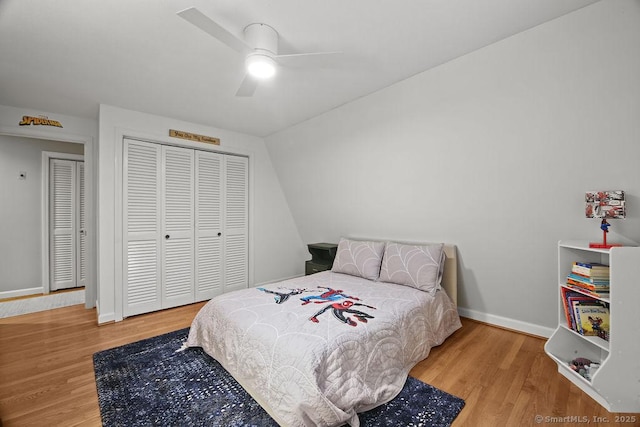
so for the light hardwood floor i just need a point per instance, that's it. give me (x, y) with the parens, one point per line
(47, 379)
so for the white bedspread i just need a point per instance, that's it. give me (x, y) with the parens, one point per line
(314, 360)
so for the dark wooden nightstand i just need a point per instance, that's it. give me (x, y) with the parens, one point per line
(322, 255)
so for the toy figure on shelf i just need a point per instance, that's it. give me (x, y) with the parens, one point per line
(604, 226)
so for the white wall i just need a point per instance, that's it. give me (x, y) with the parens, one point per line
(274, 240)
(76, 130)
(492, 152)
(21, 212)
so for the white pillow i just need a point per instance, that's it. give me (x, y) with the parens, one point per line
(420, 267)
(358, 258)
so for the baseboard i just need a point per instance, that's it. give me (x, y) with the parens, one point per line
(21, 293)
(505, 322)
(106, 318)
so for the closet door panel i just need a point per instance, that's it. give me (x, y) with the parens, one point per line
(143, 278)
(236, 261)
(142, 227)
(82, 227)
(236, 208)
(62, 224)
(208, 233)
(178, 222)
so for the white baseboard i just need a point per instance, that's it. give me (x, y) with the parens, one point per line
(21, 292)
(106, 318)
(19, 306)
(505, 322)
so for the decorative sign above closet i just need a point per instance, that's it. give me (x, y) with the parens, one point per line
(39, 121)
(194, 137)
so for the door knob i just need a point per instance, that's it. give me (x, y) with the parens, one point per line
(219, 234)
(167, 236)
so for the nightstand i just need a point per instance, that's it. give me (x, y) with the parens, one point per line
(322, 255)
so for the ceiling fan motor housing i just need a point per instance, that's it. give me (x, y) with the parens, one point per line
(262, 38)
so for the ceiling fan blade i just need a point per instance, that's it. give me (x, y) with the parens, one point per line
(206, 24)
(291, 55)
(247, 87)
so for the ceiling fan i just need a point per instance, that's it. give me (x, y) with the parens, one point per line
(260, 47)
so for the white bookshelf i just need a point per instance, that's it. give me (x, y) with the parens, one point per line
(616, 384)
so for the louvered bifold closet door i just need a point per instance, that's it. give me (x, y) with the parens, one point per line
(81, 270)
(236, 218)
(178, 221)
(62, 250)
(142, 227)
(208, 205)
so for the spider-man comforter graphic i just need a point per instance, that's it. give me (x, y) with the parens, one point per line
(340, 309)
(316, 350)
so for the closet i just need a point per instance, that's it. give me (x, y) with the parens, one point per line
(185, 225)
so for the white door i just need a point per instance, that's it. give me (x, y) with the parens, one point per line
(236, 223)
(208, 243)
(67, 241)
(178, 226)
(142, 227)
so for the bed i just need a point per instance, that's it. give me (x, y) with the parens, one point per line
(317, 350)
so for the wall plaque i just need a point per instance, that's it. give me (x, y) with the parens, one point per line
(194, 137)
(39, 121)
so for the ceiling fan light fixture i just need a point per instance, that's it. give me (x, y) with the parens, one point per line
(261, 66)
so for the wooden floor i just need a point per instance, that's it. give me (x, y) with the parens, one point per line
(47, 379)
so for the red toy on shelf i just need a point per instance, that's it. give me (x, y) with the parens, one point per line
(604, 225)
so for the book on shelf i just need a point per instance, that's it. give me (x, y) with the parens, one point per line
(580, 272)
(592, 265)
(574, 303)
(588, 286)
(577, 306)
(588, 281)
(590, 270)
(593, 319)
(568, 299)
(596, 294)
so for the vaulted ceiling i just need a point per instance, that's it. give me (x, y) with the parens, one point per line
(67, 56)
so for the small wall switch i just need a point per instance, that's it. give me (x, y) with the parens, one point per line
(22, 175)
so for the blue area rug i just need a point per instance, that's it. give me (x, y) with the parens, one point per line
(148, 383)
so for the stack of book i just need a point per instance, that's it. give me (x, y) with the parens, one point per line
(591, 278)
(585, 314)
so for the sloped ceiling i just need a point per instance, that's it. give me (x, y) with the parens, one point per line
(69, 56)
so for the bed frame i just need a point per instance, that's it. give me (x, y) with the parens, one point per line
(450, 276)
